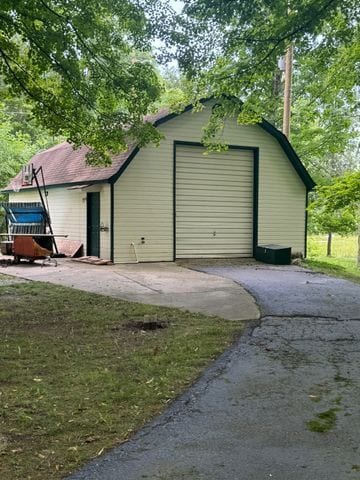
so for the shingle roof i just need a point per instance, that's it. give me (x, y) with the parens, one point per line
(64, 165)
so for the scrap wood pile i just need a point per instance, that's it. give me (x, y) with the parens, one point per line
(92, 260)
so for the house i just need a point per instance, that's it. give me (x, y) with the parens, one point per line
(173, 201)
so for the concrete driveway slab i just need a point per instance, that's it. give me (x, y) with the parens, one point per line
(165, 284)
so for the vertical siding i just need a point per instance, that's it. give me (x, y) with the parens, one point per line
(143, 195)
(68, 212)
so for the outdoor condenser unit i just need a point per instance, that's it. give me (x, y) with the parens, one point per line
(275, 254)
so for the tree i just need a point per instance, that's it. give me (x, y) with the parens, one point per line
(85, 67)
(232, 48)
(343, 194)
(16, 145)
(342, 222)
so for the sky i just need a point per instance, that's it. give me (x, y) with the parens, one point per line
(176, 5)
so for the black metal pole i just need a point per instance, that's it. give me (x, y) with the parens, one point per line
(35, 172)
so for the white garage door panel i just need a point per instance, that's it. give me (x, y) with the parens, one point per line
(214, 203)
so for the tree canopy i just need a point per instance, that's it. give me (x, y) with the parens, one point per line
(85, 66)
(232, 48)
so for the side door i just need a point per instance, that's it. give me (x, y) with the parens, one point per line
(93, 224)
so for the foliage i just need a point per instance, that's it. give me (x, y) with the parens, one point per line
(20, 139)
(85, 67)
(343, 192)
(338, 203)
(341, 222)
(232, 48)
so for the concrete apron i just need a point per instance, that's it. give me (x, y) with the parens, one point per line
(166, 284)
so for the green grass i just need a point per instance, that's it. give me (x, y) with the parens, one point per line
(324, 422)
(341, 264)
(77, 377)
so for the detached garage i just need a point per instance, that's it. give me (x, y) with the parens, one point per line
(175, 201)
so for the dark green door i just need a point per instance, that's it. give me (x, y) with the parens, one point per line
(93, 224)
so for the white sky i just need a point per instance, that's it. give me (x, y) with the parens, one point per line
(176, 5)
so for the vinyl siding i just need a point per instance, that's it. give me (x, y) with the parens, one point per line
(143, 195)
(68, 212)
(105, 221)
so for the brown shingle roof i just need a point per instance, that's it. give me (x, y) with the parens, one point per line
(64, 165)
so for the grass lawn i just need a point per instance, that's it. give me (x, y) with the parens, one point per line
(79, 372)
(342, 263)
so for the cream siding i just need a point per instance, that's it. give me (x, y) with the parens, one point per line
(105, 222)
(143, 195)
(67, 208)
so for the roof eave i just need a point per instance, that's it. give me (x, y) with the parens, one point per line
(58, 185)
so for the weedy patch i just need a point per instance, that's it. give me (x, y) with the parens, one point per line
(81, 372)
(324, 422)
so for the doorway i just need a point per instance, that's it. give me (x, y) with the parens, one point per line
(93, 224)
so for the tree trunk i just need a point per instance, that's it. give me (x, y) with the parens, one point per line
(328, 252)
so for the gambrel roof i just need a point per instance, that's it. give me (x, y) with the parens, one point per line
(66, 166)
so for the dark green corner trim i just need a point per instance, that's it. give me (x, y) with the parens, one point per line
(306, 223)
(255, 151)
(124, 166)
(255, 199)
(174, 201)
(164, 119)
(268, 127)
(112, 233)
(290, 153)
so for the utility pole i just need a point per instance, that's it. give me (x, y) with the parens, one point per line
(287, 90)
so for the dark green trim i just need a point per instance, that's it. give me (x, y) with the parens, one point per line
(124, 166)
(290, 153)
(306, 223)
(174, 201)
(136, 150)
(112, 233)
(268, 127)
(255, 199)
(255, 151)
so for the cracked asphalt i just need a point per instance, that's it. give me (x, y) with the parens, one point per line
(254, 413)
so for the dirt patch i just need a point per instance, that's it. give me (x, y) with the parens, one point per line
(146, 325)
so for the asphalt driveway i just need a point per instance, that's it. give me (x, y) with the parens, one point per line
(283, 403)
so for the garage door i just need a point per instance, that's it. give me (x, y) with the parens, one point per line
(214, 203)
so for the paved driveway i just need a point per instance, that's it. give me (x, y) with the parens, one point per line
(255, 413)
